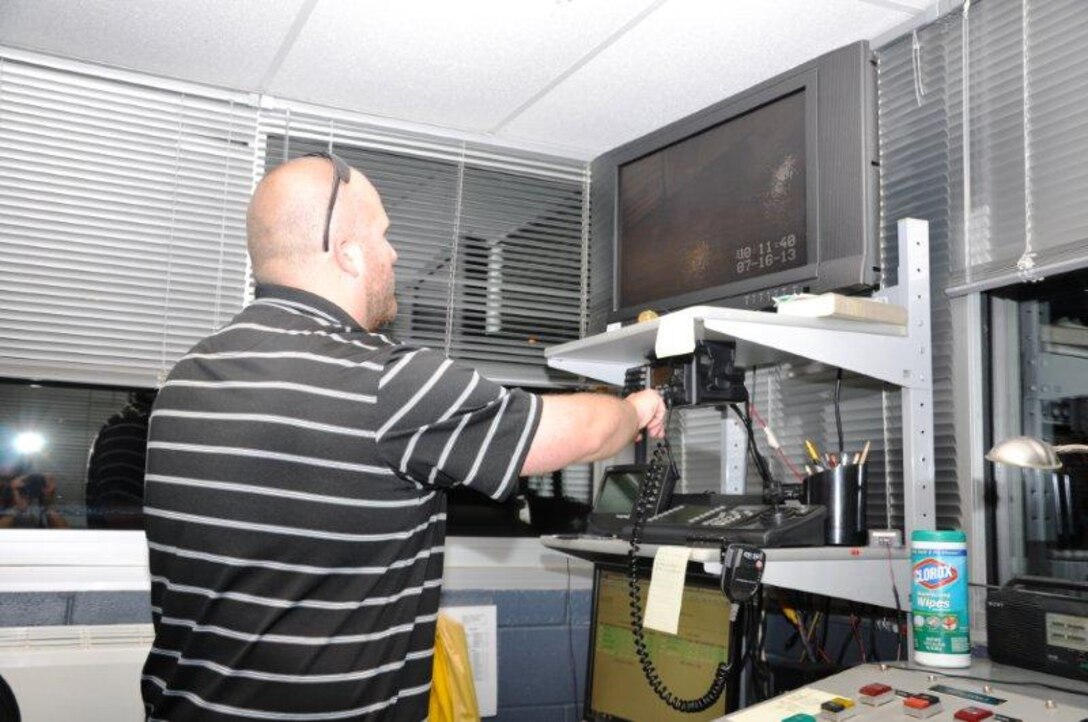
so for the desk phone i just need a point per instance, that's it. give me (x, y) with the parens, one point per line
(703, 519)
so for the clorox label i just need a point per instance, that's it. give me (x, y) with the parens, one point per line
(933, 573)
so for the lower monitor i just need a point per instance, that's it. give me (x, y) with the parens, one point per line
(616, 688)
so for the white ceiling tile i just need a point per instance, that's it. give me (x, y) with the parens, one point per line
(902, 5)
(226, 44)
(576, 77)
(463, 65)
(688, 55)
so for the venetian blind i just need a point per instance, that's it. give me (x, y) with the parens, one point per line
(1026, 67)
(695, 436)
(921, 157)
(797, 402)
(121, 223)
(491, 243)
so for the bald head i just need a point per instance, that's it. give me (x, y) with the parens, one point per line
(285, 222)
(285, 226)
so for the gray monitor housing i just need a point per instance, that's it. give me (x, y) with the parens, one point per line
(839, 241)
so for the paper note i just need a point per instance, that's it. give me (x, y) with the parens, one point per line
(800, 701)
(666, 589)
(480, 625)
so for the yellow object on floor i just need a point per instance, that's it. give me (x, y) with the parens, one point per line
(453, 693)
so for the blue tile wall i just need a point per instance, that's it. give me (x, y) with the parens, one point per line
(34, 609)
(110, 608)
(542, 646)
(40, 609)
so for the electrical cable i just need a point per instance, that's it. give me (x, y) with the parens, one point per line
(898, 606)
(769, 482)
(874, 654)
(772, 441)
(855, 623)
(794, 618)
(838, 410)
(568, 612)
(811, 638)
(842, 650)
(761, 671)
(826, 625)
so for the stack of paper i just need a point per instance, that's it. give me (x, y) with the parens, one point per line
(834, 305)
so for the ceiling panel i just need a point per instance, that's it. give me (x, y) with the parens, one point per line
(690, 54)
(573, 77)
(462, 65)
(226, 44)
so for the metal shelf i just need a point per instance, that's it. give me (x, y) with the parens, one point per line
(896, 354)
(884, 351)
(900, 355)
(869, 575)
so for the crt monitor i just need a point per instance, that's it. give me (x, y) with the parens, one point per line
(615, 687)
(621, 486)
(771, 191)
(724, 206)
(619, 489)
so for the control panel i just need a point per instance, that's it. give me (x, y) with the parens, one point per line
(716, 523)
(888, 692)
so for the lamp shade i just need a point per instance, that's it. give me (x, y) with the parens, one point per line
(1026, 452)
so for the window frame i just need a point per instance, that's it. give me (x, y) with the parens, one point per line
(80, 560)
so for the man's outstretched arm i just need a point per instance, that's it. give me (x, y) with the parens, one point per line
(577, 428)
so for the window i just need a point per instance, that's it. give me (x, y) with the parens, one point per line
(1039, 342)
(122, 231)
(491, 244)
(122, 224)
(72, 456)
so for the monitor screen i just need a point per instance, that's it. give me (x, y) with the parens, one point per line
(686, 662)
(725, 205)
(619, 489)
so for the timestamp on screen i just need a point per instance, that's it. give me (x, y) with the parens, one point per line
(763, 256)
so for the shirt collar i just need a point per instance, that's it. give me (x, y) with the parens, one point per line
(319, 305)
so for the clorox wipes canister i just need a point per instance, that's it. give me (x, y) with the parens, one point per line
(939, 599)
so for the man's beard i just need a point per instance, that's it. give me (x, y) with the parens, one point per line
(383, 308)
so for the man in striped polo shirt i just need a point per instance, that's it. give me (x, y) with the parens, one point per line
(296, 461)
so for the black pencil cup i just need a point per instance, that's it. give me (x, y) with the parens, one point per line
(842, 489)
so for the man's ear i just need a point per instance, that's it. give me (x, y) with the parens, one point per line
(349, 256)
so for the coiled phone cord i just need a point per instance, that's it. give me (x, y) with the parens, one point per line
(655, 476)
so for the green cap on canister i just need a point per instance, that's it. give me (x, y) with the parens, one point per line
(944, 535)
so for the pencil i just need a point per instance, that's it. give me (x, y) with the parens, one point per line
(864, 453)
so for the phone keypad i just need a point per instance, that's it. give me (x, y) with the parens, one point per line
(727, 516)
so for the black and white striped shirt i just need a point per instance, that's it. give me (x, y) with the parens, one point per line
(293, 515)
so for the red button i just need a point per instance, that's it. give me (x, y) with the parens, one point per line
(874, 689)
(917, 703)
(973, 714)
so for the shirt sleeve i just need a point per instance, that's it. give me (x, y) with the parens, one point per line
(443, 424)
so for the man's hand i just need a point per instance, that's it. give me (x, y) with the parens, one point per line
(650, 409)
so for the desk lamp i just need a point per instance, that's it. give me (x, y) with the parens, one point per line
(1031, 453)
